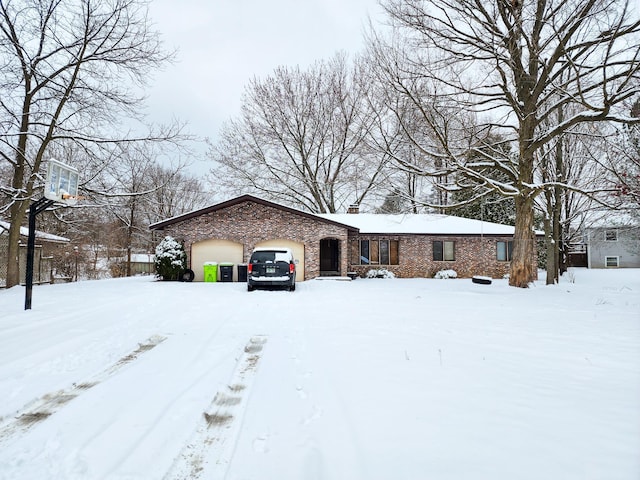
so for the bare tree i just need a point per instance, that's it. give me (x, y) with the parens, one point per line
(388, 137)
(621, 162)
(301, 139)
(69, 70)
(509, 66)
(175, 192)
(569, 160)
(136, 190)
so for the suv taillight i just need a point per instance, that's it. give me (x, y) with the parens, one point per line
(292, 267)
(249, 268)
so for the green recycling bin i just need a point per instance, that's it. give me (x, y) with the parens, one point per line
(210, 272)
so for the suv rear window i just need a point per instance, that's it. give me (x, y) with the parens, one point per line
(270, 256)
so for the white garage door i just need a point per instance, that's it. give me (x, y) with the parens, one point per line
(296, 248)
(215, 251)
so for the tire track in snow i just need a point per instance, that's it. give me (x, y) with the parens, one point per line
(210, 449)
(45, 406)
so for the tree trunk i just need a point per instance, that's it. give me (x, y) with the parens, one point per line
(524, 268)
(550, 250)
(18, 213)
(556, 236)
(523, 265)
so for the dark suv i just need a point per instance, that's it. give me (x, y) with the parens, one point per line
(271, 267)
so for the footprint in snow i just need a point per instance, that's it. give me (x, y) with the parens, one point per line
(260, 444)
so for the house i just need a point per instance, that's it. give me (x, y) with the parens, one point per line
(613, 246)
(409, 245)
(46, 244)
(337, 244)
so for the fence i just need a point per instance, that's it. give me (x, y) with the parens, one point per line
(41, 264)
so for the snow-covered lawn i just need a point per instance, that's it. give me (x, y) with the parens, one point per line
(385, 379)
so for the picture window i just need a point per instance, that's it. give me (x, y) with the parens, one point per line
(379, 252)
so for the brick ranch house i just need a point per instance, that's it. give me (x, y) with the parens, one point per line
(409, 245)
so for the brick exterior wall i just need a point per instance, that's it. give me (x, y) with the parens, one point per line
(250, 223)
(473, 256)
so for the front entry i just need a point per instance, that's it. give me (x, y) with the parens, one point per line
(329, 257)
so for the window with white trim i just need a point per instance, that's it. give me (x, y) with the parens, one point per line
(611, 261)
(611, 235)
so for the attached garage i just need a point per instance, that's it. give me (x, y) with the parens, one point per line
(298, 253)
(229, 231)
(215, 250)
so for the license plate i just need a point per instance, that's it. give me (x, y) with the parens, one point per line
(271, 269)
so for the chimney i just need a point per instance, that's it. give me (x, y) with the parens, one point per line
(353, 208)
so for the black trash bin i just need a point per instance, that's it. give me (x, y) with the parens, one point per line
(226, 272)
(242, 272)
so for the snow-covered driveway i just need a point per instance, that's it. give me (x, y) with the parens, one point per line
(371, 379)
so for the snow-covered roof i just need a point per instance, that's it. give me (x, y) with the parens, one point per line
(421, 223)
(42, 236)
(372, 223)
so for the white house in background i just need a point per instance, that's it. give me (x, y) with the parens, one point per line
(613, 246)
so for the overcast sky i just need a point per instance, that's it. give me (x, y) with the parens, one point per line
(222, 44)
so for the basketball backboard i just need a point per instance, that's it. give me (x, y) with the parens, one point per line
(61, 183)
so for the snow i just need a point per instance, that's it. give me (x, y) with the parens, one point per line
(434, 224)
(24, 231)
(445, 274)
(369, 379)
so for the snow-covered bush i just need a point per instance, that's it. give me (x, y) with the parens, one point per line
(171, 259)
(380, 273)
(446, 274)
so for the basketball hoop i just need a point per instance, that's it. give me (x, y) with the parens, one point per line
(61, 183)
(61, 186)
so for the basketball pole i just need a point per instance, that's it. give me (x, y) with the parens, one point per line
(34, 209)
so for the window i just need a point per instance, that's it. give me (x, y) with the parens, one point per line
(444, 251)
(611, 261)
(379, 252)
(504, 251)
(364, 252)
(384, 252)
(611, 235)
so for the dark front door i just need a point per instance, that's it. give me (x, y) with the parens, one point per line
(329, 256)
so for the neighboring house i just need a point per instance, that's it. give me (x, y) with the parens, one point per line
(46, 245)
(411, 245)
(613, 246)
